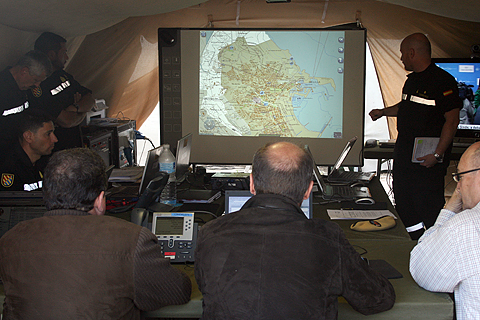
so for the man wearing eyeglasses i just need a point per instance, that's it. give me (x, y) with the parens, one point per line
(447, 256)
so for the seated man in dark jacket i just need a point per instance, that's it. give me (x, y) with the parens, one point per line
(268, 261)
(75, 262)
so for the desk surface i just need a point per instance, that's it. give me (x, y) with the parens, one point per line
(387, 153)
(378, 193)
(392, 245)
(412, 302)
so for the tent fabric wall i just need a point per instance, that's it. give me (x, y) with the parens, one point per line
(120, 64)
(106, 60)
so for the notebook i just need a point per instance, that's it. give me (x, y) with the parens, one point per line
(337, 192)
(235, 199)
(347, 176)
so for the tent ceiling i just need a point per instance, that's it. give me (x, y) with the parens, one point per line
(75, 18)
(468, 10)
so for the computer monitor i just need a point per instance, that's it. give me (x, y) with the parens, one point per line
(235, 199)
(467, 73)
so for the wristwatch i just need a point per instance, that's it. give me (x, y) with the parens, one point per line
(438, 157)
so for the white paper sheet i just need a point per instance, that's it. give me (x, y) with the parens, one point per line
(358, 214)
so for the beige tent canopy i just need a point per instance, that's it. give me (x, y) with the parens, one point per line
(113, 43)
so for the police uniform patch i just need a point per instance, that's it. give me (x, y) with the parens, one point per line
(37, 92)
(7, 180)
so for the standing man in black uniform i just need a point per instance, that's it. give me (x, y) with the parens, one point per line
(28, 73)
(22, 170)
(60, 94)
(429, 108)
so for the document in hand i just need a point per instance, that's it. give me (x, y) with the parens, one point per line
(424, 146)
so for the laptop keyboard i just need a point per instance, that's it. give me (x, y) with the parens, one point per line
(343, 191)
(352, 175)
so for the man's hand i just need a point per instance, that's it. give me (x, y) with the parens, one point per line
(376, 114)
(428, 161)
(455, 203)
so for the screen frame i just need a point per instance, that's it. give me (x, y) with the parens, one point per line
(171, 37)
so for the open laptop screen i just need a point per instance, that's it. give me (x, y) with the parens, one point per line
(184, 146)
(151, 167)
(344, 153)
(235, 199)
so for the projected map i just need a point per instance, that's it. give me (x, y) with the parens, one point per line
(273, 83)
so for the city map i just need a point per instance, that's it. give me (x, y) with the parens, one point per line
(271, 83)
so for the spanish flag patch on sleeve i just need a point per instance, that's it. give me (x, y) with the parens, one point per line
(448, 92)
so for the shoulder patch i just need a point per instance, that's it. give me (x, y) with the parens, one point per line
(37, 92)
(7, 180)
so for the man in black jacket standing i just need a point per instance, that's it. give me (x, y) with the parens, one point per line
(268, 261)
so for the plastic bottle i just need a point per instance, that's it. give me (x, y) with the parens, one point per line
(166, 163)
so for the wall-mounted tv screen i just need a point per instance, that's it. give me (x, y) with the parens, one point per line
(237, 89)
(467, 73)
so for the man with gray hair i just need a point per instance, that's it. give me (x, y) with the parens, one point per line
(28, 73)
(77, 263)
(447, 256)
(61, 95)
(268, 261)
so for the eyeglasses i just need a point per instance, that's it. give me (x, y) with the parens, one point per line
(458, 176)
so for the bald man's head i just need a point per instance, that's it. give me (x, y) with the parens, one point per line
(416, 52)
(282, 168)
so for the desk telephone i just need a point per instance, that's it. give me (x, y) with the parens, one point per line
(176, 232)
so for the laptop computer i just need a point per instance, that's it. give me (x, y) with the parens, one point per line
(149, 172)
(184, 147)
(347, 176)
(235, 199)
(337, 192)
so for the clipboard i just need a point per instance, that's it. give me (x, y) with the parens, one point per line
(424, 146)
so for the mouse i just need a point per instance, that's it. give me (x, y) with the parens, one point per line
(357, 184)
(367, 201)
(370, 143)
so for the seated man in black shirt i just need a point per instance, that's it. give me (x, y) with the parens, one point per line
(21, 169)
(268, 261)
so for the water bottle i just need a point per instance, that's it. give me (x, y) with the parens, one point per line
(166, 163)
